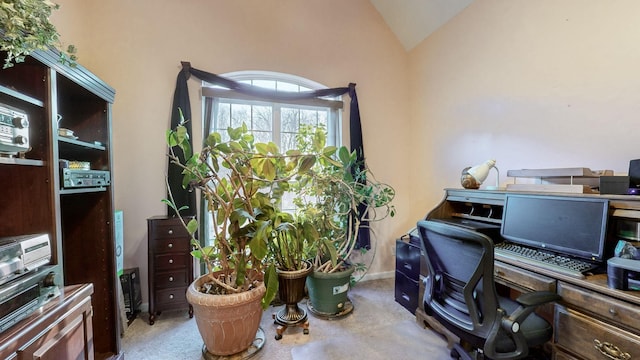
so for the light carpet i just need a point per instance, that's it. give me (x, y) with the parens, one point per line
(378, 328)
(404, 340)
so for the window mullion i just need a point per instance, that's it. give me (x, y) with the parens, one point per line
(276, 124)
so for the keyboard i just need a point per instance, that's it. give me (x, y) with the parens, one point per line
(558, 263)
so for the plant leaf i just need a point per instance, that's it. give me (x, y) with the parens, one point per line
(306, 164)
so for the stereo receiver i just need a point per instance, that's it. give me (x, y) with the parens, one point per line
(21, 254)
(14, 131)
(75, 178)
(23, 296)
(27, 281)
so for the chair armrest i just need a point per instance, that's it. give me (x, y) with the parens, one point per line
(510, 323)
(537, 298)
(528, 303)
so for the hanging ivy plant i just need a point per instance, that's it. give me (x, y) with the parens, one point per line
(26, 28)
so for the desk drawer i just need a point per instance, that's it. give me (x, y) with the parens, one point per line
(582, 335)
(607, 308)
(522, 279)
(561, 355)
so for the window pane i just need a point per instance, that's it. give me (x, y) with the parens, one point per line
(322, 119)
(224, 135)
(308, 117)
(240, 114)
(288, 142)
(262, 118)
(287, 202)
(223, 117)
(262, 136)
(289, 119)
(282, 86)
(267, 84)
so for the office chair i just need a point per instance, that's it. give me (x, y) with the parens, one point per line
(460, 294)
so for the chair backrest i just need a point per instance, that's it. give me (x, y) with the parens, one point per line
(460, 291)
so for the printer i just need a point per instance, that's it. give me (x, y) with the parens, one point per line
(623, 270)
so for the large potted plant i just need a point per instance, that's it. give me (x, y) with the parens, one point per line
(337, 200)
(243, 183)
(25, 27)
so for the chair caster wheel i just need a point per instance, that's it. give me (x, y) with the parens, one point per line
(305, 331)
(278, 336)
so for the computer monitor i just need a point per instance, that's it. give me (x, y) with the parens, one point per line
(574, 226)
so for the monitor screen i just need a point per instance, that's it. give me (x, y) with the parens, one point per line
(574, 226)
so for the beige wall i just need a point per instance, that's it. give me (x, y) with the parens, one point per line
(533, 84)
(137, 46)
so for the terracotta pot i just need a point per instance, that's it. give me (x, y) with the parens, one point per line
(227, 323)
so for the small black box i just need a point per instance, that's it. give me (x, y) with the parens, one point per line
(130, 282)
(615, 185)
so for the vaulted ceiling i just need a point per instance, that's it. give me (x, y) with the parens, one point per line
(413, 20)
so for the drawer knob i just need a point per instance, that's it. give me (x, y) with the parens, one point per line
(613, 311)
(170, 261)
(170, 278)
(611, 351)
(170, 245)
(170, 296)
(170, 232)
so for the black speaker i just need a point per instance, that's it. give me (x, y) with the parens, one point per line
(614, 185)
(130, 282)
(634, 173)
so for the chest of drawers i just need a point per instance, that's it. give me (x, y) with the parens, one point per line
(170, 265)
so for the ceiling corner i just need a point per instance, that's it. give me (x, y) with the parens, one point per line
(412, 21)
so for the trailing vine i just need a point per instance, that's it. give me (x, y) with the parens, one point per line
(26, 27)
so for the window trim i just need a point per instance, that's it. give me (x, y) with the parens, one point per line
(335, 105)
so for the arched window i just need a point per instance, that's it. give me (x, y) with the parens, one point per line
(270, 120)
(277, 121)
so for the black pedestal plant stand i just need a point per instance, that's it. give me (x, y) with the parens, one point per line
(291, 291)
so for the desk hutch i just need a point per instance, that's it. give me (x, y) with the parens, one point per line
(592, 321)
(78, 220)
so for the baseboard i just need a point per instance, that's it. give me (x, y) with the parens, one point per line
(144, 307)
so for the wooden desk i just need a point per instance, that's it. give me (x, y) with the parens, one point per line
(592, 321)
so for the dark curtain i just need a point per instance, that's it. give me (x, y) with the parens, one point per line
(184, 197)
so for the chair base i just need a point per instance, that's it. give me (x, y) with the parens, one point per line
(430, 322)
(458, 352)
